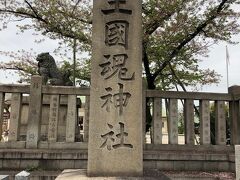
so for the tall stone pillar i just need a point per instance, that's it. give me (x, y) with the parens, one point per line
(115, 124)
(34, 113)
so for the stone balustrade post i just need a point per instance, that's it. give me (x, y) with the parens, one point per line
(2, 98)
(189, 121)
(144, 118)
(86, 119)
(220, 123)
(173, 122)
(71, 118)
(237, 161)
(205, 122)
(35, 112)
(234, 114)
(157, 121)
(14, 127)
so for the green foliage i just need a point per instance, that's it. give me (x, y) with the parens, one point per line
(82, 71)
(24, 64)
(177, 33)
(33, 168)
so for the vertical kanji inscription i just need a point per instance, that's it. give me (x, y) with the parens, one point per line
(115, 121)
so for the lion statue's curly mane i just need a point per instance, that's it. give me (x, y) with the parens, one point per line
(47, 68)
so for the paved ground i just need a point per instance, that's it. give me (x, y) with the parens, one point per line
(156, 175)
(199, 175)
(148, 175)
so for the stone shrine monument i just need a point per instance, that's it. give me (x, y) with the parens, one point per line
(115, 129)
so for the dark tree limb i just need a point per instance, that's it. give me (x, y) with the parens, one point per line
(191, 36)
(37, 16)
(150, 80)
(181, 84)
(53, 29)
(154, 24)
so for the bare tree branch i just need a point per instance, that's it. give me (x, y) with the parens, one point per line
(35, 12)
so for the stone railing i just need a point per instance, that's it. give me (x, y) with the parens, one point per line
(196, 106)
(44, 116)
(48, 117)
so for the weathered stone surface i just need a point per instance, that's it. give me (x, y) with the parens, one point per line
(53, 118)
(188, 95)
(189, 121)
(62, 145)
(157, 121)
(76, 174)
(220, 123)
(25, 164)
(15, 117)
(115, 129)
(234, 111)
(62, 123)
(35, 112)
(71, 123)
(86, 119)
(173, 121)
(13, 145)
(24, 114)
(144, 85)
(237, 161)
(61, 133)
(11, 164)
(54, 159)
(204, 122)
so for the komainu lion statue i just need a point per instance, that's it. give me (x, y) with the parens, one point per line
(47, 68)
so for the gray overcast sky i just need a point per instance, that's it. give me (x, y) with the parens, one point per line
(9, 41)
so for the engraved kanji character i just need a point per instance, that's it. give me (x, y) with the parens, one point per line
(116, 33)
(107, 98)
(115, 64)
(121, 136)
(108, 138)
(117, 8)
(120, 99)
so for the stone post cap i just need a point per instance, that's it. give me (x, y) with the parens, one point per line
(235, 92)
